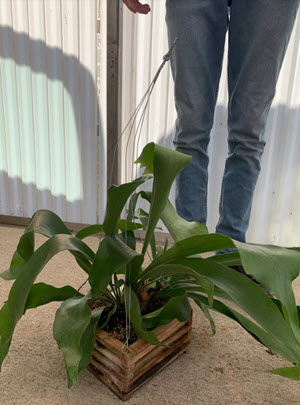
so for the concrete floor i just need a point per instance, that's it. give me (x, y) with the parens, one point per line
(227, 369)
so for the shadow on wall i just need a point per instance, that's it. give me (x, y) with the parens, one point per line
(31, 195)
(51, 144)
(275, 214)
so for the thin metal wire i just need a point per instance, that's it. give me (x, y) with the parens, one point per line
(137, 136)
(132, 119)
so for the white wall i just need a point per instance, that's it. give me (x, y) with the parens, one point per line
(275, 214)
(50, 155)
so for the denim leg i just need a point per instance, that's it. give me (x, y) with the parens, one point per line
(196, 67)
(259, 31)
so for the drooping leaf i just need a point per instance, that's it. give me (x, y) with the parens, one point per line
(165, 164)
(192, 246)
(249, 296)
(89, 231)
(71, 321)
(126, 226)
(205, 310)
(178, 227)
(177, 308)
(46, 223)
(117, 197)
(97, 229)
(133, 309)
(88, 339)
(228, 259)
(15, 267)
(112, 255)
(26, 245)
(41, 294)
(260, 334)
(189, 286)
(275, 268)
(23, 253)
(293, 373)
(182, 271)
(14, 307)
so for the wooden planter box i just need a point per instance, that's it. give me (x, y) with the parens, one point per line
(123, 373)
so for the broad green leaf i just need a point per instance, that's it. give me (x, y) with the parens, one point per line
(46, 223)
(182, 271)
(249, 296)
(26, 245)
(178, 227)
(228, 259)
(165, 164)
(15, 267)
(192, 246)
(14, 307)
(88, 339)
(112, 255)
(129, 239)
(41, 294)
(143, 216)
(275, 268)
(24, 251)
(71, 320)
(146, 158)
(177, 308)
(133, 309)
(126, 226)
(293, 373)
(207, 315)
(251, 327)
(189, 286)
(89, 231)
(117, 197)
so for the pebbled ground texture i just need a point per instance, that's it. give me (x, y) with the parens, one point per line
(227, 369)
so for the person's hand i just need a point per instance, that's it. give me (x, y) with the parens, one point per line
(136, 7)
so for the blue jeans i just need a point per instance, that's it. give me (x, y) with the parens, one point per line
(259, 31)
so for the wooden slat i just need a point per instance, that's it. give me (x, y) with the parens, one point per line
(123, 373)
(114, 345)
(108, 374)
(91, 368)
(157, 359)
(141, 347)
(158, 367)
(171, 341)
(110, 365)
(107, 353)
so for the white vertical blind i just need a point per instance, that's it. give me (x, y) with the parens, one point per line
(275, 214)
(50, 154)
